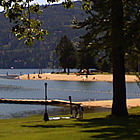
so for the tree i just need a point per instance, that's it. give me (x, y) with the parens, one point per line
(104, 65)
(131, 62)
(66, 54)
(20, 12)
(117, 35)
(85, 58)
(111, 27)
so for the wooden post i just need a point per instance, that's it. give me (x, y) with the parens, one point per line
(70, 105)
(45, 91)
(46, 118)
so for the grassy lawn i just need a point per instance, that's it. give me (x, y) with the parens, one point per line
(93, 126)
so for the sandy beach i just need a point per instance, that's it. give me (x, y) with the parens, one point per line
(74, 77)
(108, 103)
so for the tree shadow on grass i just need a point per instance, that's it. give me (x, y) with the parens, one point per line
(48, 126)
(112, 127)
(44, 126)
(106, 128)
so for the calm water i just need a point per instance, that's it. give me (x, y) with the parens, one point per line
(26, 89)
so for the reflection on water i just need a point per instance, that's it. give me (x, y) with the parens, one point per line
(79, 91)
(52, 111)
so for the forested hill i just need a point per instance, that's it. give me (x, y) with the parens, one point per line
(57, 20)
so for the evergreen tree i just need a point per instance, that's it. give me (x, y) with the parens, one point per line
(85, 58)
(66, 54)
(104, 65)
(113, 26)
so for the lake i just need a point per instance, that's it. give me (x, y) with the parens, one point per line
(29, 89)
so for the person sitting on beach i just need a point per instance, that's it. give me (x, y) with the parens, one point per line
(39, 76)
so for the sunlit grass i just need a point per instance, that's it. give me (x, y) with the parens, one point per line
(93, 126)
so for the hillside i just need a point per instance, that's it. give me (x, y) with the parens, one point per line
(57, 20)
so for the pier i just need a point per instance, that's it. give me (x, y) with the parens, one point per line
(8, 76)
(38, 102)
(55, 102)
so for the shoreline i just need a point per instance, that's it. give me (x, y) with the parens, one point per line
(74, 77)
(108, 103)
(91, 78)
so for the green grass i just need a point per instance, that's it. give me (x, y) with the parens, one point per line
(93, 126)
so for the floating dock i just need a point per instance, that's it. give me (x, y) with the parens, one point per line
(38, 102)
(9, 76)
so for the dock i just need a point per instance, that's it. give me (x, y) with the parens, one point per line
(8, 76)
(55, 102)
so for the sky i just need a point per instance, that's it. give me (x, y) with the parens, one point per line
(41, 2)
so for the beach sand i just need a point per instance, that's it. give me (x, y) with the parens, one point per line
(74, 77)
(108, 103)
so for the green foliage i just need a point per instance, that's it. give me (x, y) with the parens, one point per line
(66, 53)
(132, 62)
(104, 65)
(85, 57)
(24, 25)
(99, 25)
(67, 4)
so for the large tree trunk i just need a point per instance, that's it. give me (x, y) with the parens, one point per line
(119, 89)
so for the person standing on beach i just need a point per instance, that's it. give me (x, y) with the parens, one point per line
(28, 77)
